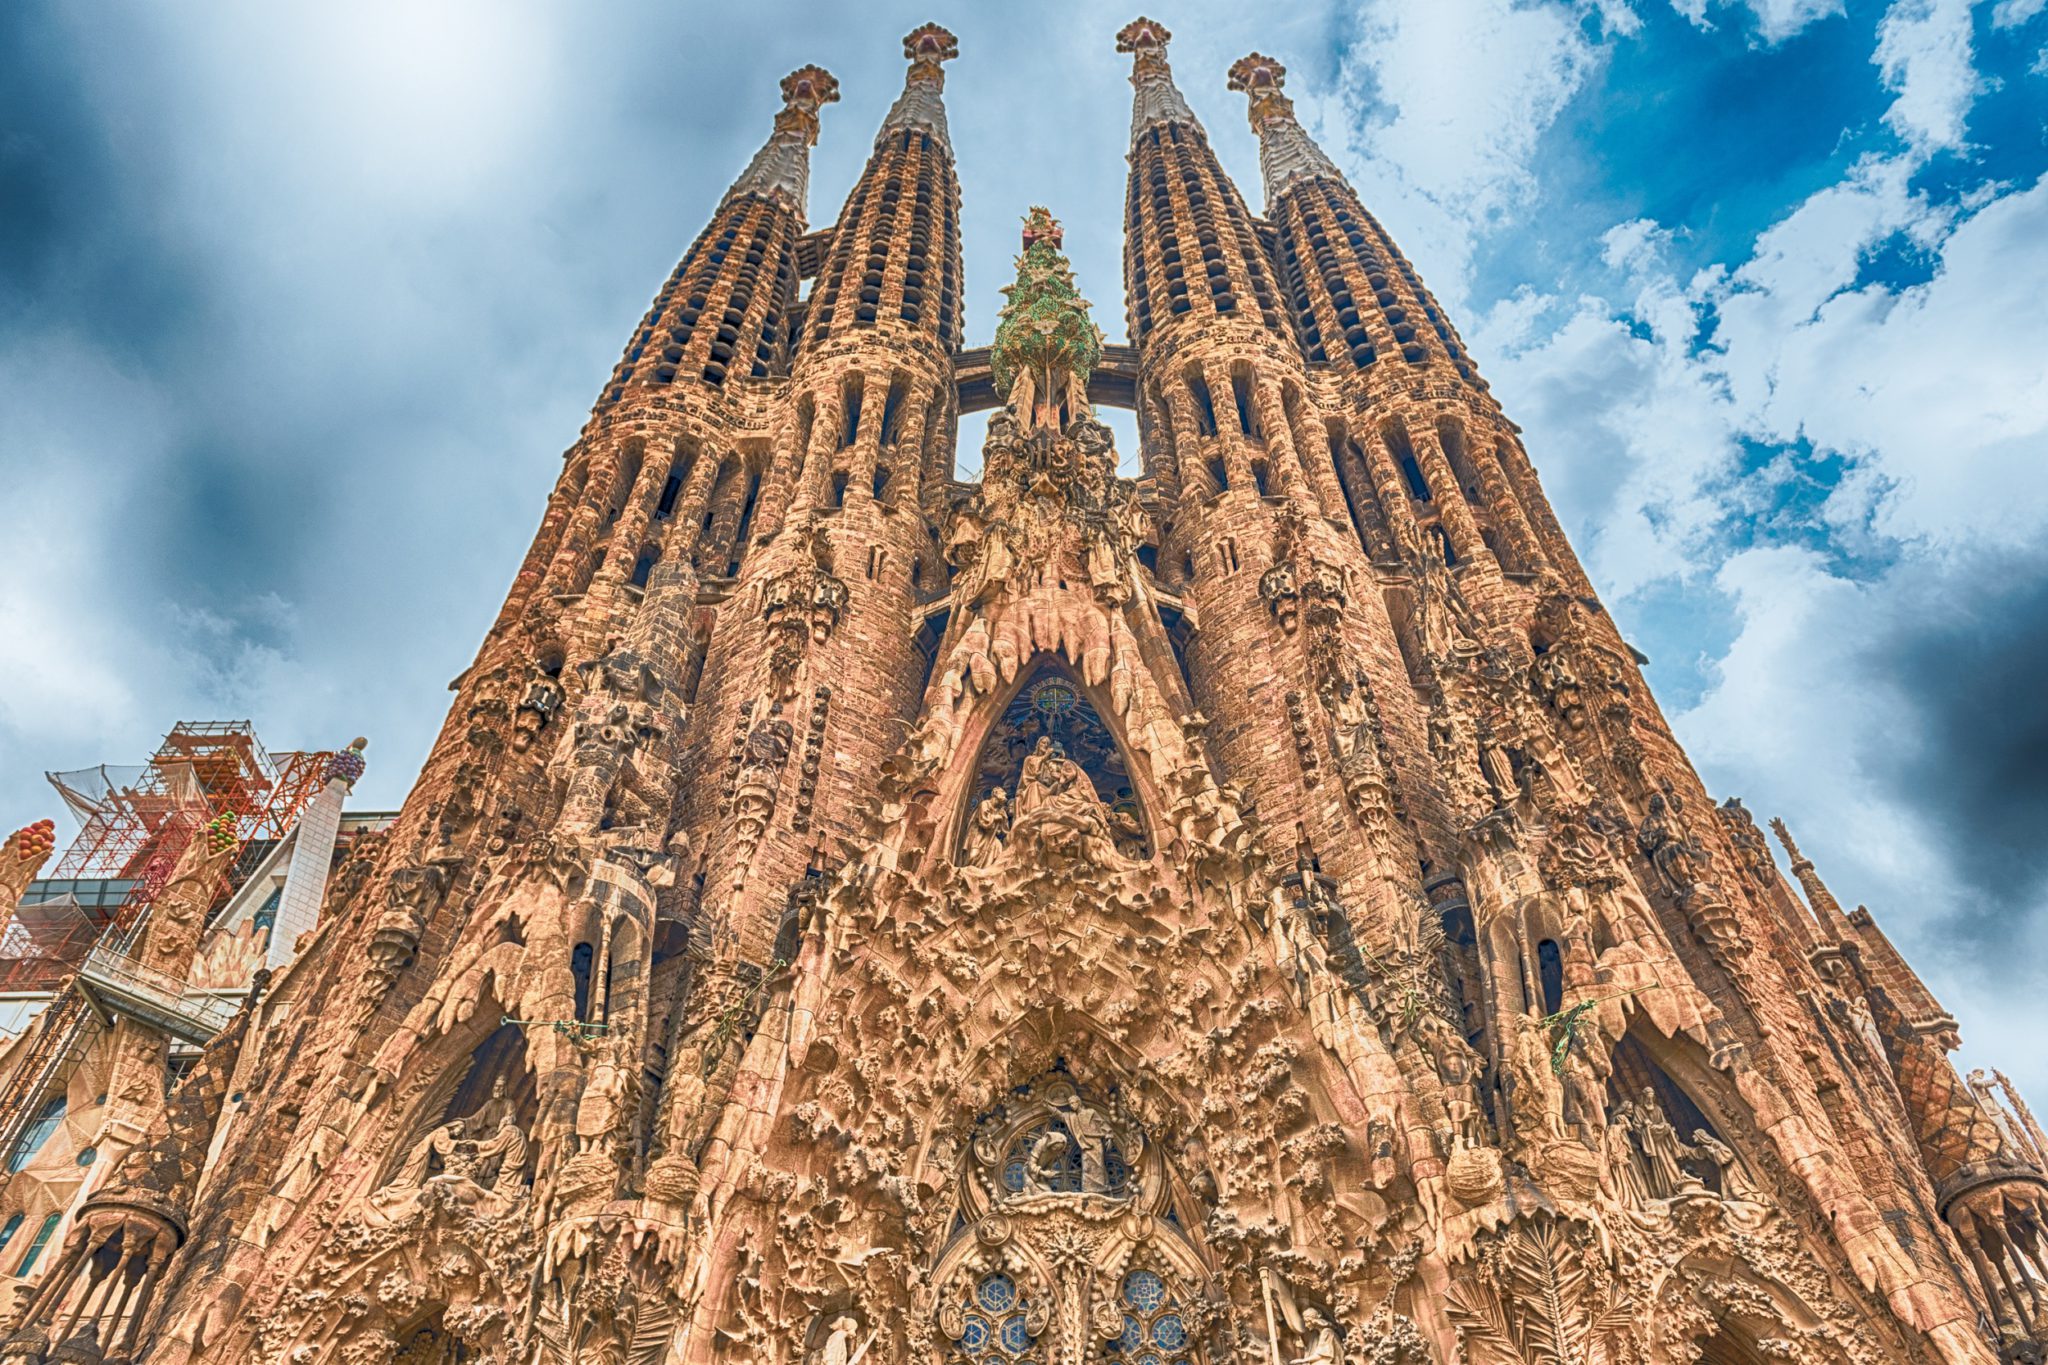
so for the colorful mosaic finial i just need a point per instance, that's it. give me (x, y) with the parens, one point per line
(1262, 78)
(34, 842)
(349, 764)
(1142, 36)
(220, 832)
(927, 46)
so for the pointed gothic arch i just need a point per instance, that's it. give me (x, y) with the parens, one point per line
(1050, 701)
(497, 1080)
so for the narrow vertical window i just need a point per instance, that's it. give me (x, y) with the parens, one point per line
(35, 1248)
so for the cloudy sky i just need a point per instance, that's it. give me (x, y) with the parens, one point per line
(299, 305)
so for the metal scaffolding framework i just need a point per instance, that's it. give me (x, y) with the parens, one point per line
(134, 825)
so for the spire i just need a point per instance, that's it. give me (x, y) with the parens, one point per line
(781, 170)
(1826, 908)
(1158, 99)
(920, 107)
(1286, 152)
(1045, 343)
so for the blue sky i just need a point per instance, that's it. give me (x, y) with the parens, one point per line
(298, 309)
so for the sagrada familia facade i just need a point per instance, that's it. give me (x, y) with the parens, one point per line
(1253, 912)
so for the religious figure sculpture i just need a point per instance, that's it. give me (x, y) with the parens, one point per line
(1621, 1167)
(1734, 1180)
(987, 830)
(838, 1345)
(1664, 1152)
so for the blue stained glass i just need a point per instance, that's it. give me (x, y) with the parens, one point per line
(974, 1336)
(1013, 1176)
(1144, 1291)
(1016, 1336)
(1133, 1336)
(1170, 1332)
(997, 1293)
(1148, 1360)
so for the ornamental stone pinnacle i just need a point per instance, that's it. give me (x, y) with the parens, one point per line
(781, 170)
(1158, 99)
(921, 108)
(1286, 151)
(861, 913)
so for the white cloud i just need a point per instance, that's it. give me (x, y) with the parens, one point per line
(1776, 20)
(1799, 723)
(1923, 49)
(1940, 389)
(1640, 396)
(1440, 107)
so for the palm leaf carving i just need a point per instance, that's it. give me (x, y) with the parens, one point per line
(651, 1331)
(1537, 1307)
(1550, 1283)
(1482, 1320)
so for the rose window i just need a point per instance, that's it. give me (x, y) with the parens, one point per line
(1155, 1332)
(994, 1327)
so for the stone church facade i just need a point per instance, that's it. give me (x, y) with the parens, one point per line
(1253, 912)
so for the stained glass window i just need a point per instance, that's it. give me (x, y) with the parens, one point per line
(995, 1327)
(36, 1133)
(1155, 1330)
(35, 1248)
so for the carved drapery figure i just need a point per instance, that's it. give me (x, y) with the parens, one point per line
(1734, 1181)
(1679, 862)
(1664, 1152)
(987, 830)
(1622, 1174)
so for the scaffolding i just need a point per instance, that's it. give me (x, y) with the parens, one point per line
(134, 824)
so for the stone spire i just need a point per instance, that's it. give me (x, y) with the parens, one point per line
(1158, 99)
(1045, 344)
(781, 170)
(1826, 908)
(921, 107)
(1286, 152)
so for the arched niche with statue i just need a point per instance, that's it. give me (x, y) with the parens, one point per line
(1050, 748)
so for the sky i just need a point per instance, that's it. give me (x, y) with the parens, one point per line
(299, 306)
